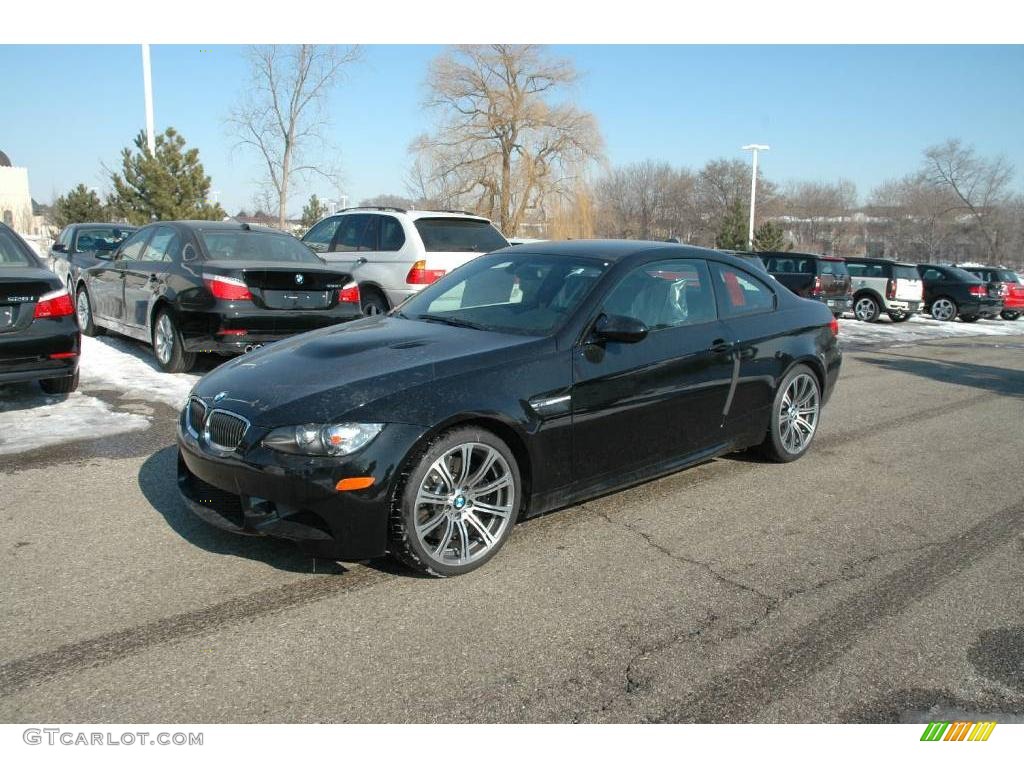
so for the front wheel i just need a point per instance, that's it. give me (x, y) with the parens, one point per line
(866, 309)
(169, 346)
(458, 505)
(795, 415)
(1009, 314)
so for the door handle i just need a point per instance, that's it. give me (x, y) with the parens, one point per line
(153, 278)
(360, 260)
(720, 347)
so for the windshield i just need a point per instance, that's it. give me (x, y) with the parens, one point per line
(459, 235)
(905, 273)
(101, 238)
(252, 245)
(12, 254)
(525, 293)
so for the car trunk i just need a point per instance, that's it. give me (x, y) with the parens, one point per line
(286, 286)
(908, 290)
(19, 291)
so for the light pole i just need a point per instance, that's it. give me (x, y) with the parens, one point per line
(755, 148)
(147, 84)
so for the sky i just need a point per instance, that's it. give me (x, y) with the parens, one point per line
(864, 113)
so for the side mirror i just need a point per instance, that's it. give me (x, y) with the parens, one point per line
(60, 247)
(620, 328)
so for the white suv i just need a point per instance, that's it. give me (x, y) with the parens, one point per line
(393, 253)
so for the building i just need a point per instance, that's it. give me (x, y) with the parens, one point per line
(15, 197)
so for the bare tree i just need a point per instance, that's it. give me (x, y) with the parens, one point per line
(913, 216)
(819, 215)
(647, 200)
(980, 185)
(719, 185)
(502, 143)
(283, 115)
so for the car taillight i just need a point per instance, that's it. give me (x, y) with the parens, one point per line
(834, 326)
(349, 294)
(54, 304)
(977, 290)
(227, 288)
(816, 288)
(420, 275)
(890, 289)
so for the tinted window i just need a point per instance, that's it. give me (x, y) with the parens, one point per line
(524, 294)
(12, 254)
(665, 294)
(461, 235)
(931, 274)
(838, 268)
(162, 246)
(350, 232)
(392, 236)
(791, 265)
(904, 273)
(740, 293)
(254, 245)
(368, 239)
(132, 247)
(855, 269)
(319, 238)
(962, 274)
(101, 238)
(1004, 276)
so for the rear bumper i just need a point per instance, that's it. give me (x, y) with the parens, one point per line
(899, 305)
(253, 327)
(981, 308)
(837, 303)
(25, 354)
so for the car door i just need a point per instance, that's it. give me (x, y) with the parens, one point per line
(106, 280)
(644, 403)
(320, 237)
(146, 277)
(933, 279)
(747, 308)
(343, 252)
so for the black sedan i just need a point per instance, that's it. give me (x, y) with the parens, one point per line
(39, 337)
(80, 246)
(528, 379)
(202, 286)
(951, 292)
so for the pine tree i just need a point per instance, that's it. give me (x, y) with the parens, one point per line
(313, 211)
(732, 234)
(78, 205)
(768, 237)
(167, 185)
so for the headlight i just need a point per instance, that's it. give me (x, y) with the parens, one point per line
(322, 439)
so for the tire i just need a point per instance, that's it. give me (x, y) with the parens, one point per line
(1009, 314)
(785, 445)
(866, 309)
(83, 309)
(944, 309)
(373, 302)
(62, 386)
(437, 523)
(168, 345)
(900, 317)
(968, 318)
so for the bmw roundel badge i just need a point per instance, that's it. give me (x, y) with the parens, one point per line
(299, 279)
(219, 396)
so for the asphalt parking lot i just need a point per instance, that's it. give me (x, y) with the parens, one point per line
(877, 579)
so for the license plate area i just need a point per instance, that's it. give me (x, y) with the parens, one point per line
(297, 299)
(7, 314)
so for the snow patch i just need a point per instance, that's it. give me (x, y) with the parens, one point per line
(922, 328)
(113, 363)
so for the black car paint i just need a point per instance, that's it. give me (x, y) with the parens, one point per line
(420, 378)
(68, 264)
(127, 294)
(25, 348)
(956, 286)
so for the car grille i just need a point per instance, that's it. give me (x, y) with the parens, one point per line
(196, 415)
(225, 430)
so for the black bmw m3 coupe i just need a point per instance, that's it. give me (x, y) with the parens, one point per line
(529, 379)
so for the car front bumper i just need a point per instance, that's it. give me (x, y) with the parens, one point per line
(258, 491)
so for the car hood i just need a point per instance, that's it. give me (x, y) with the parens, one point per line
(323, 375)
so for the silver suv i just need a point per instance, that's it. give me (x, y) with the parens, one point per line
(881, 285)
(393, 253)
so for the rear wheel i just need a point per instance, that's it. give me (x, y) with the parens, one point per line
(60, 386)
(900, 317)
(1008, 314)
(458, 504)
(373, 302)
(866, 309)
(795, 415)
(169, 347)
(944, 310)
(83, 308)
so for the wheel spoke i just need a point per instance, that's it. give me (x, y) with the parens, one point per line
(482, 470)
(441, 470)
(493, 509)
(485, 534)
(431, 524)
(446, 537)
(466, 458)
(429, 497)
(464, 537)
(494, 485)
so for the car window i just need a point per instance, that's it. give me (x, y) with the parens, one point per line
(132, 247)
(740, 293)
(162, 246)
(904, 273)
(392, 236)
(931, 274)
(791, 265)
(963, 274)
(11, 252)
(100, 238)
(665, 294)
(368, 239)
(320, 237)
(838, 268)
(459, 235)
(856, 270)
(255, 245)
(350, 232)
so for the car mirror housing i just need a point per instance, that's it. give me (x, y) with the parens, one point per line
(60, 248)
(620, 328)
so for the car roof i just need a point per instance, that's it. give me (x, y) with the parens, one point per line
(610, 250)
(413, 213)
(877, 260)
(801, 254)
(81, 224)
(222, 226)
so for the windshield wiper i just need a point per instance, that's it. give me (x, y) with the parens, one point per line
(449, 321)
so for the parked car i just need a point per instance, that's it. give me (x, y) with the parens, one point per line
(1008, 285)
(80, 246)
(951, 292)
(394, 253)
(39, 337)
(823, 278)
(204, 286)
(526, 380)
(881, 285)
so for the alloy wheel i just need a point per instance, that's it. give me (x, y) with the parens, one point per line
(865, 309)
(82, 309)
(943, 309)
(163, 339)
(464, 504)
(798, 413)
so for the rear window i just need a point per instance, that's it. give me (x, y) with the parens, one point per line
(791, 265)
(1004, 275)
(831, 267)
(459, 235)
(246, 245)
(962, 274)
(905, 273)
(12, 253)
